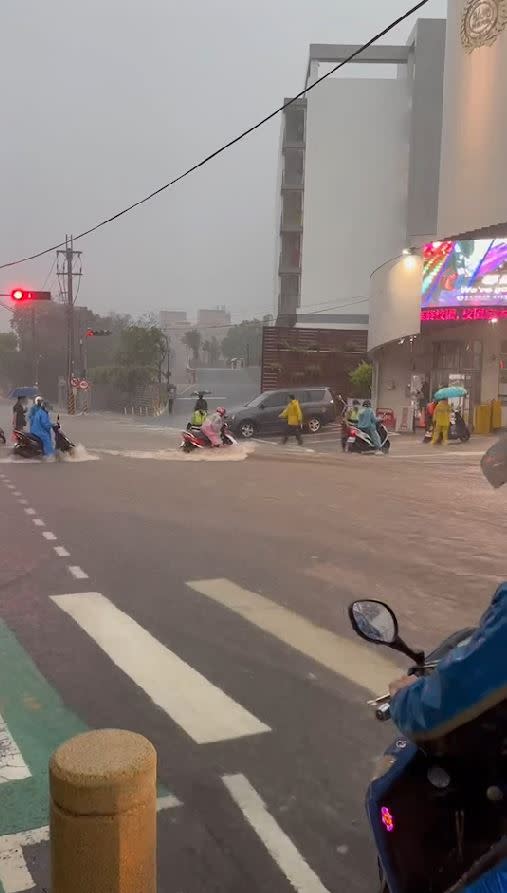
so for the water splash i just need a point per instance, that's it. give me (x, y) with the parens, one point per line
(227, 454)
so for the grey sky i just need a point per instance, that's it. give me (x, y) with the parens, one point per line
(107, 99)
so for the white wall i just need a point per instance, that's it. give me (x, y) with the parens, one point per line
(355, 196)
(473, 185)
(395, 300)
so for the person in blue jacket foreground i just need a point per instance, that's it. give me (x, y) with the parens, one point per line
(469, 681)
(43, 429)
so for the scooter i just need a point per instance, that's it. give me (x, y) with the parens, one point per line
(29, 446)
(194, 438)
(354, 440)
(433, 815)
(458, 429)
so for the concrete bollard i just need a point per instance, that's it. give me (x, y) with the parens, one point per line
(103, 814)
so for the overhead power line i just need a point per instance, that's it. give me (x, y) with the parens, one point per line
(228, 145)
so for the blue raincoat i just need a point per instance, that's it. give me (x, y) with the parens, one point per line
(31, 415)
(41, 427)
(469, 681)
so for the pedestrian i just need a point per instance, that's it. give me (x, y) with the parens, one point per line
(19, 415)
(441, 422)
(293, 414)
(171, 395)
(368, 423)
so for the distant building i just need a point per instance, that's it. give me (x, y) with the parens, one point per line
(218, 316)
(169, 318)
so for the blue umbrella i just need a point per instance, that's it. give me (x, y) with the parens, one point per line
(23, 392)
(448, 393)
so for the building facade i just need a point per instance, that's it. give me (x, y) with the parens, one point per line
(355, 159)
(438, 315)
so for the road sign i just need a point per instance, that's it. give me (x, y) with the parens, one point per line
(84, 385)
(74, 382)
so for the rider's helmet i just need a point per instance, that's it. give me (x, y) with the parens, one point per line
(221, 410)
(39, 401)
(367, 403)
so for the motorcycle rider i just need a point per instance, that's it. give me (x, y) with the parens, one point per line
(368, 423)
(42, 428)
(471, 680)
(212, 426)
(37, 403)
(350, 417)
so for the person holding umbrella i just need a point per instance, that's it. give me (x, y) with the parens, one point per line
(442, 412)
(19, 415)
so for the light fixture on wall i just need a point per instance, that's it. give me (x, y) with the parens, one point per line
(407, 252)
(493, 321)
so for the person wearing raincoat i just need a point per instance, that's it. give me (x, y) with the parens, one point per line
(441, 421)
(33, 412)
(43, 429)
(471, 680)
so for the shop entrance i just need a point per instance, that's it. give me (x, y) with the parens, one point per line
(458, 363)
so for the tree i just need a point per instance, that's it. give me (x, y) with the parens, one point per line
(244, 341)
(361, 378)
(139, 360)
(193, 340)
(215, 349)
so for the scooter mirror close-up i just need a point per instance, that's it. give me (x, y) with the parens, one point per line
(374, 621)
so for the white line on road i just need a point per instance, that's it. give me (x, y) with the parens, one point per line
(278, 844)
(17, 493)
(48, 535)
(23, 501)
(202, 709)
(12, 764)
(30, 512)
(14, 874)
(38, 522)
(61, 551)
(349, 659)
(77, 572)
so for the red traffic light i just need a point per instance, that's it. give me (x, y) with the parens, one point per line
(19, 294)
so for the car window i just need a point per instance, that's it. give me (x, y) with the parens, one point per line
(275, 400)
(317, 395)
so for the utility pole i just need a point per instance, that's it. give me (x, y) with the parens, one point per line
(67, 272)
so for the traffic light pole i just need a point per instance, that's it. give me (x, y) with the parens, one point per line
(68, 253)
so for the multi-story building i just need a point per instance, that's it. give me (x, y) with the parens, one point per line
(438, 315)
(358, 174)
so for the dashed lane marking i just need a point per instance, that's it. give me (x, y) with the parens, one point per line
(30, 512)
(280, 847)
(48, 535)
(77, 572)
(349, 659)
(202, 709)
(61, 551)
(38, 522)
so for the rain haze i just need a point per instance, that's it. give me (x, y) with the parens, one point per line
(103, 102)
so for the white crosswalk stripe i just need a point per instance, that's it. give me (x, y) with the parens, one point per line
(202, 709)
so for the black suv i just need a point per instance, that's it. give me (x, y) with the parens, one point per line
(262, 415)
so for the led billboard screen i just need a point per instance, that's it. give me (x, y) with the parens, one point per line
(465, 274)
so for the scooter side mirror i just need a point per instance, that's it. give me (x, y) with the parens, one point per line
(376, 622)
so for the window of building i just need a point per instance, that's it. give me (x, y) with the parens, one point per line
(289, 285)
(291, 251)
(457, 356)
(292, 208)
(293, 167)
(294, 125)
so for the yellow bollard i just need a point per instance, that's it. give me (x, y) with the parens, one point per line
(103, 814)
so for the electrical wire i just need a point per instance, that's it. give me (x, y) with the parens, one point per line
(229, 144)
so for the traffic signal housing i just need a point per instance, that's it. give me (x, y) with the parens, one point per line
(91, 333)
(21, 294)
